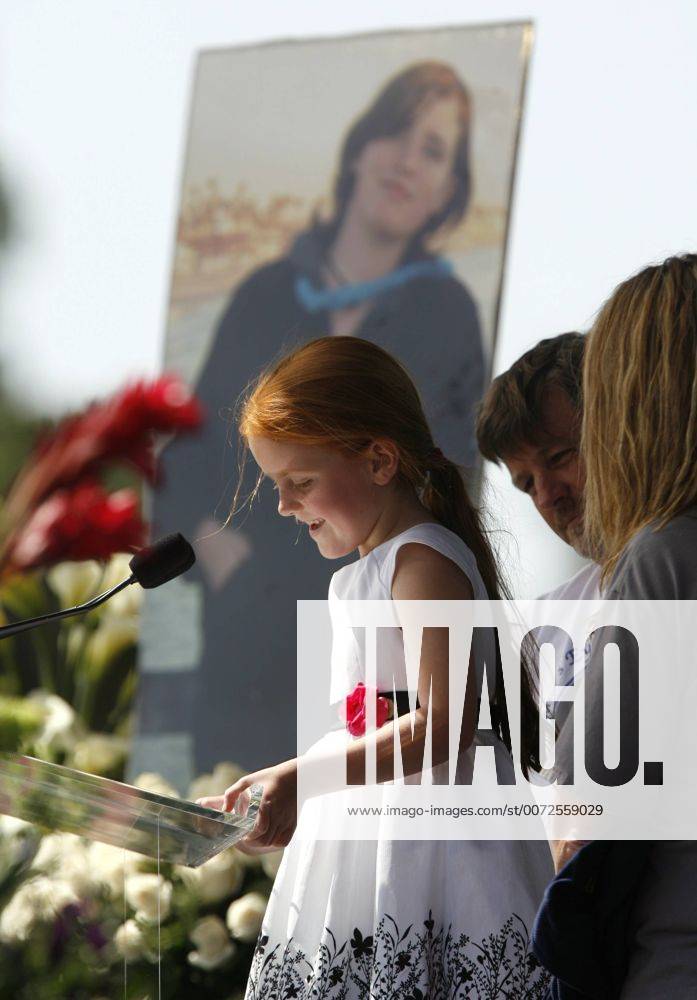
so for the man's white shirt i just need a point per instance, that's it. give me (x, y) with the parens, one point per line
(583, 586)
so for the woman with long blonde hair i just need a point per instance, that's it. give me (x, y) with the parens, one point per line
(639, 444)
(339, 427)
(640, 417)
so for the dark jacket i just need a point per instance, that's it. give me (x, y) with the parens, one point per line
(582, 933)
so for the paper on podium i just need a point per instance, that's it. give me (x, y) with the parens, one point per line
(59, 798)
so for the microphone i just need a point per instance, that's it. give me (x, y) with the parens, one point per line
(162, 562)
(157, 564)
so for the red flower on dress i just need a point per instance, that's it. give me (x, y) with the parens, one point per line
(84, 522)
(352, 712)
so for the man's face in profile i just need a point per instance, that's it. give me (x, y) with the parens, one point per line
(550, 470)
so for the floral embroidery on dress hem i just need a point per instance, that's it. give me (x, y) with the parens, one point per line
(416, 964)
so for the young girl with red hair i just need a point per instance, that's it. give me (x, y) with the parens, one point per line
(339, 427)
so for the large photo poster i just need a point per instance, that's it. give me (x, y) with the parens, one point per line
(351, 186)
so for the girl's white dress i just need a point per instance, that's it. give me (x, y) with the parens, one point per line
(416, 920)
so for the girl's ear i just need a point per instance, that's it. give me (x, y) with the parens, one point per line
(384, 460)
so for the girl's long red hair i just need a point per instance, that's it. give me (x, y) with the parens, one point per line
(345, 392)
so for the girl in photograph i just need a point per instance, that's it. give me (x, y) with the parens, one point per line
(339, 427)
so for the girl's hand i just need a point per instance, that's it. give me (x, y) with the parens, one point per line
(277, 816)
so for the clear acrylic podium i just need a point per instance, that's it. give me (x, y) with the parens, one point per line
(165, 829)
(168, 831)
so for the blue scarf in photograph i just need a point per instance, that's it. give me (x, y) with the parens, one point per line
(344, 296)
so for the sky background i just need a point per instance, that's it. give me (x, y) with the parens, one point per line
(94, 105)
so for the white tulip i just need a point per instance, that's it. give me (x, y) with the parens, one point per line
(143, 892)
(128, 602)
(75, 582)
(245, 916)
(213, 944)
(129, 941)
(116, 571)
(217, 879)
(109, 640)
(75, 642)
(155, 783)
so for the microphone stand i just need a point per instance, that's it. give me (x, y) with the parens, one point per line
(155, 565)
(16, 627)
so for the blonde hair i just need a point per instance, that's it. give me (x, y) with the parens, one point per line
(345, 392)
(639, 435)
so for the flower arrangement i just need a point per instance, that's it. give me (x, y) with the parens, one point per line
(90, 920)
(59, 523)
(79, 919)
(57, 508)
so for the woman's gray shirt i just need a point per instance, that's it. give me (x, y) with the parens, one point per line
(662, 565)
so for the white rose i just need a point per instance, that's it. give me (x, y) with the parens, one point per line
(74, 582)
(228, 773)
(155, 783)
(213, 944)
(40, 899)
(17, 918)
(245, 915)
(61, 727)
(271, 862)
(54, 847)
(130, 942)
(66, 855)
(223, 775)
(202, 787)
(248, 860)
(10, 826)
(217, 879)
(110, 865)
(143, 891)
(99, 753)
